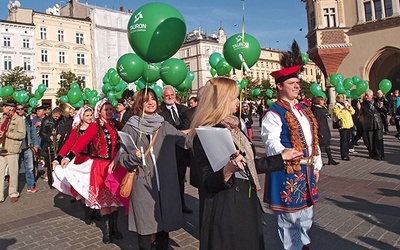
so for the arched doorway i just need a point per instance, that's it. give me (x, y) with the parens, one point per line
(384, 64)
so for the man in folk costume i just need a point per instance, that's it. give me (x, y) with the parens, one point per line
(292, 192)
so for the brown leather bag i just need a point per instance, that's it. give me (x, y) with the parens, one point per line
(127, 183)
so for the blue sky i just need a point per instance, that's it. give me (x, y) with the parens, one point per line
(274, 23)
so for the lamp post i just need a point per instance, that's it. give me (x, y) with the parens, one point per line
(13, 8)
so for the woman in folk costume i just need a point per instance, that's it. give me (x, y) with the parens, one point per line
(229, 206)
(155, 204)
(103, 140)
(79, 125)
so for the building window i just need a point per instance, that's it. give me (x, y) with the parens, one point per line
(60, 35)
(188, 66)
(377, 9)
(262, 75)
(26, 43)
(44, 55)
(312, 20)
(83, 79)
(27, 63)
(7, 63)
(43, 33)
(330, 17)
(267, 65)
(80, 59)
(262, 64)
(187, 53)
(61, 57)
(79, 38)
(388, 8)
(7, 41)
(45, 79)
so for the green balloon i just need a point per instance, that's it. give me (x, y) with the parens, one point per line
(354, 94)
(341, 77)
(15, 96)
(269, 93)
(243, 84)
(33, 102)
(237, 49)
(348, 83)
(106, 79)
(256, 92)
(156, 31)
(321, 94)
(184, 86)
(213, 72)
(305, 58)
(114, 102)
(74, 85)
(130, 67)
(92, 101)
(7, 91)
(173, 71)
(41, 88)
(106, 88)
(114, 78)
(214, 59)
(190, 75)
(23, 96)
(79, 104)
(223, 67)
(339, 88)
(141, 83)
(334, 79)
(315, 88)
(158, 90)
(38, 95)
(63, 99)
(347, 92)
(361, 87)
(74, 95)
(385, 86)
(355, 79)
(270, 102)
(151, 72)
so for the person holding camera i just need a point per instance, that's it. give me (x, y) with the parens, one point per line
(344, 111)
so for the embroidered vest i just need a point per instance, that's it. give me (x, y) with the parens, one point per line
(291, 191)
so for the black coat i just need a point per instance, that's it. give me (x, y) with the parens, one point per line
(230, 218)
(324, 133)
(372, 115)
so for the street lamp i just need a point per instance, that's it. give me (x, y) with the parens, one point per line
(13, 8)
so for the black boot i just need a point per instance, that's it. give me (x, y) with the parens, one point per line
(88, 216)
(162, 240)
(114, 226)
(145, 242)
(95, 214)
(329, 153)
(106, 232)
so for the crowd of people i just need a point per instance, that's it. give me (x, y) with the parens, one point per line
(85, 145)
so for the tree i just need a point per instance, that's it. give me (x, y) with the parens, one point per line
(263, 85)
(67, 77)
(292, 57)
(18, 79)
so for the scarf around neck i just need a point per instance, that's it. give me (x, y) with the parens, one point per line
(146, 124)
(232, 124)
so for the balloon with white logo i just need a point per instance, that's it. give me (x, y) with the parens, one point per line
(156, 31)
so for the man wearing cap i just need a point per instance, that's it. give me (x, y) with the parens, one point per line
(12, 131)
(30, 145)
(292, 192)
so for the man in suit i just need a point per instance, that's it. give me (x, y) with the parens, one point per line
(175, 114)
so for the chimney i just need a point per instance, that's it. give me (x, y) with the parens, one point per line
(121, 8)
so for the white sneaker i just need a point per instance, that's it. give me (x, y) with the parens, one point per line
(353, 151)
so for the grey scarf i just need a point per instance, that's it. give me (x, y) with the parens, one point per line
(146, 124)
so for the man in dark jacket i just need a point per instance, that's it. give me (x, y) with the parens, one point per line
(49, 140)
(175, 114)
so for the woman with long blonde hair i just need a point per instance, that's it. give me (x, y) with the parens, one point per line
(229, 207)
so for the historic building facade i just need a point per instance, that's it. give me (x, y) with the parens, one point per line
(60, 44)
(359, 37)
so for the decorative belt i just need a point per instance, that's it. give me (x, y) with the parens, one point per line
(307, 161)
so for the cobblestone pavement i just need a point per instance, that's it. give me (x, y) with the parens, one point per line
(359, 208)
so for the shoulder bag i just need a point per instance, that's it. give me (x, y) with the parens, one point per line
(127, 182)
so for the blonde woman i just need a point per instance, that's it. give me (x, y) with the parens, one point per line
(229, 207)
(344, 111)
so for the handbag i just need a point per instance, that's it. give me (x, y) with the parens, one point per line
(392, 120)
(127, 182)
(336, 122)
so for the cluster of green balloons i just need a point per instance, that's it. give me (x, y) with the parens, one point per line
(22, 96)
(255, 92)
(351, 87)
(304, 58)
(242, 84)
(156, 31)
(219, 65)
(113, 86)
(76, 97)
(269, 93)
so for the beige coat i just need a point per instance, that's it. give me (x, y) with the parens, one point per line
(15, 133)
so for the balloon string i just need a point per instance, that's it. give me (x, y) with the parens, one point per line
(144, 99)
(241, 68)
